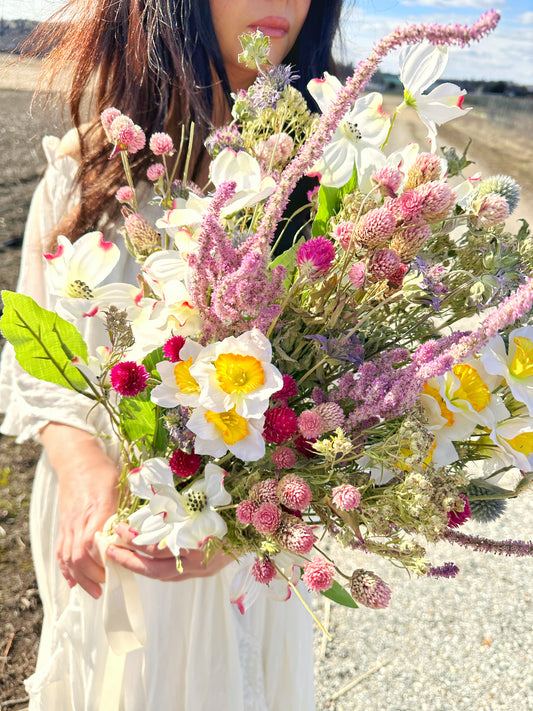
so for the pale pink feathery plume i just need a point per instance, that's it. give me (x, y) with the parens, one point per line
(312, 150)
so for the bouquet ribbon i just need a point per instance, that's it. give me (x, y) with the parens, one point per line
(123, 621)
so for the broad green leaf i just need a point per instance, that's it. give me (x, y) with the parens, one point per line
(287, 259)
(340, 595)
(44, 343)
(152, 359)
(141, 418)
(328, 204)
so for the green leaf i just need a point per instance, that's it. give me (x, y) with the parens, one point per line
(152, 359)
(340, 595)
(287, 259)
(141, 419)
(44, 343)
(328, 204)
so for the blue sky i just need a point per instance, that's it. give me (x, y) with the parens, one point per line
(507, 54)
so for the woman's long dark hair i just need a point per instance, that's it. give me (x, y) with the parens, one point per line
(155, 61)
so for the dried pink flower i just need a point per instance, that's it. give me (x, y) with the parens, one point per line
(438, 199)
(427, 167)
(408, 206)
(161, 143)
(294, 492)
(310, 424)
(389, 180)
(266, 519)
(332, 415)
(141, 233)
(265, 492)
(369, 589)
(304, 446)
(384, 264)
(264, 570)
(408, 240)
(314, 257)
(375, 227)
(346, 497)
(295, 536)
(284, 458)
(275, 150)
(107, 117)
(129, 378)
(492, 209)
(357, 274)
(457, 518)
(344, 233)
(280, 424)
(318, 574)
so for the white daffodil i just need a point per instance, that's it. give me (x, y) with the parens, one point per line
(364, 127)
(514, 438)
(178, 387)
(220, 432)
(516, 366)
(420, 66)
(237, 373)
(185, 212)
(240, 167)
(186, 519)
(245, 590)
(75, 270)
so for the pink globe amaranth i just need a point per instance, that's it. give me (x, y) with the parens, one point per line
(294, 535)
(263, 570)
(357, 274)
(438, 199)
(184, 464)
(280, 425)
(128, 378)
(284, 458)
(265, 491)
(332, 415)
(305, 447)
(384, 264)
(155, 171)
(124, 194)
(389, 180)
(375, 227)
(457, 518)
(289, 389)
(318, 575)
(107, 117)
(344, 233)
(346, 497)
(315, 257)
(396, 279)
(172, 348)
(294, 492)
(266, 519)
(161, 143)
(310, 424)
(245, 510)
(492, 209)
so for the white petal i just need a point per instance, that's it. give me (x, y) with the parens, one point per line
(324, 90)
(93, 259)
(196, 530)
(337, 163)
(214, 486)
(421, 65)
(153, 474)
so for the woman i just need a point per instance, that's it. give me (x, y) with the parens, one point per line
(174, 643)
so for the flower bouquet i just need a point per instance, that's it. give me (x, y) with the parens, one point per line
(371, 383)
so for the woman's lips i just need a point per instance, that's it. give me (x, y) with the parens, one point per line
(273, 26)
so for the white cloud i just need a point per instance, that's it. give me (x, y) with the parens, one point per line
(505, 54)
(526, 18)
(478, 4)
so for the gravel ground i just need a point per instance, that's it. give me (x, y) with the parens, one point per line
(461, 645)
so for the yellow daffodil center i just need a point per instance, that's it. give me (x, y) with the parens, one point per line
(522, 443)
(184, 380)
(232, 426)
(444, 410)
(238, 374)
(79, 290)
(194, 502)
(472, 388)
(522, 365)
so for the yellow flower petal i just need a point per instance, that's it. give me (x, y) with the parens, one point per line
(444, 410)
(238, 374)
(184, 380)
(232, 426)
(522, 443)
(522, 365)
(472, 388)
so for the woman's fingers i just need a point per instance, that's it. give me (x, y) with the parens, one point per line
(79, 561)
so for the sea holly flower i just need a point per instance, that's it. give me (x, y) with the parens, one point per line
(178, 386)
(242, 169)
(75, 270)
(237, 373)
(220, 432)
(420, 67)
(182, 520)
(516, 366)
(364, 126)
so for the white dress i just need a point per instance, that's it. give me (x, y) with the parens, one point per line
(145, 645)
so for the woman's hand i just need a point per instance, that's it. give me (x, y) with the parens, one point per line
(88, 494)
(160, 564)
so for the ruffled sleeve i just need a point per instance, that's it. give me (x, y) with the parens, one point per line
(29, 404)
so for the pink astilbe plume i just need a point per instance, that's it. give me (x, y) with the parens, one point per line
(312, 150)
